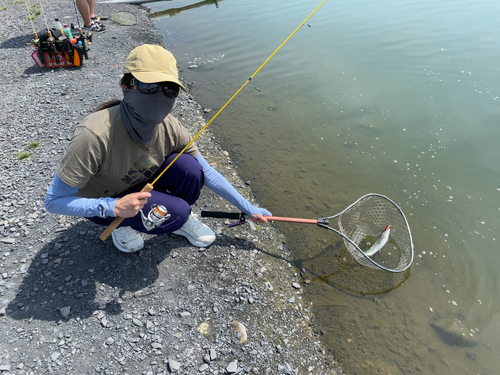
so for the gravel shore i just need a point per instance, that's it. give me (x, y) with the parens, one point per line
(72, 304)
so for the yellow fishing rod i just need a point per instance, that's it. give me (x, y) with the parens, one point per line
(149, 186)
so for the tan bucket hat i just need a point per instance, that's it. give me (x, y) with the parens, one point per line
(152, 64)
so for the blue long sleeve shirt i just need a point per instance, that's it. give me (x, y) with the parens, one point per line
(61, 198)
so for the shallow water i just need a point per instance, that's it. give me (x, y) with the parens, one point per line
(399, 98)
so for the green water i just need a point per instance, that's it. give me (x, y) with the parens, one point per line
(399, 98)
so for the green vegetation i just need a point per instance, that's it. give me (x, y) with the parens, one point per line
(34, 11)
(34, 144)
(23, 155)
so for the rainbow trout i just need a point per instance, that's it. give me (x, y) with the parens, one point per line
(381, 241)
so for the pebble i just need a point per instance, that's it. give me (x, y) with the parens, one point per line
(269, 286)
(64, 311)
(213, 354)
(137, 322)
(296, 285)
(203, 367)
(174, 366)
(232, 367)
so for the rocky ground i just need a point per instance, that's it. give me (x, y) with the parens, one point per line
(71, 304)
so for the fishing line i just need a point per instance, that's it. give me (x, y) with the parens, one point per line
(285, 59)
(30, 17)
(149, 186)
(76, 12)
(43, 14)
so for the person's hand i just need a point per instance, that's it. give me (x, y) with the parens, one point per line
(257, 218)
(129, 205)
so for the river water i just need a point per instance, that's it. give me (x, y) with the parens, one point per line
(399, 98)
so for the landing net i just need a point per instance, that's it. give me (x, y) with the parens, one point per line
(364, 220)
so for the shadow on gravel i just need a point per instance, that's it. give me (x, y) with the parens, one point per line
(35, 69)
(78, 270)
(17, 42)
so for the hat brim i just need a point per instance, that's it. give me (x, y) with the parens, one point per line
(155, 77)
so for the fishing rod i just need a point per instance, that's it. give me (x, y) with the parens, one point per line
(149, 186)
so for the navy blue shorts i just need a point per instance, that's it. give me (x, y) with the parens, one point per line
(177, 190)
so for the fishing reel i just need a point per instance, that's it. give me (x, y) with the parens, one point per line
(157, 215)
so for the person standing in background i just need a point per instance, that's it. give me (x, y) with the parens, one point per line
(90, 20)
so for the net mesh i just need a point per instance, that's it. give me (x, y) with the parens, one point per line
(365, 220)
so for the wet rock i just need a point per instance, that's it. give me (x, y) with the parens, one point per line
(269, 286)
(124, 18)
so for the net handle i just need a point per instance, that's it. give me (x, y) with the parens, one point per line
(323, 223)
(239, 216)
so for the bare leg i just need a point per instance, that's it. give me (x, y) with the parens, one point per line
(84, 9)
(91, 4)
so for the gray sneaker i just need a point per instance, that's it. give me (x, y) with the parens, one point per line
(196, 232)
(127, 239)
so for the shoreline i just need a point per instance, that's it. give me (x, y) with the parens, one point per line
(71, 304)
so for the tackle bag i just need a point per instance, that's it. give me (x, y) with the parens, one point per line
(60, 52)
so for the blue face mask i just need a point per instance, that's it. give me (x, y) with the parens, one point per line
(141, 113)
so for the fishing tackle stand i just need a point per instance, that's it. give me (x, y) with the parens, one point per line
(55, 49)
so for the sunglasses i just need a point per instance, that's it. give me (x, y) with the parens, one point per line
(170, 89)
